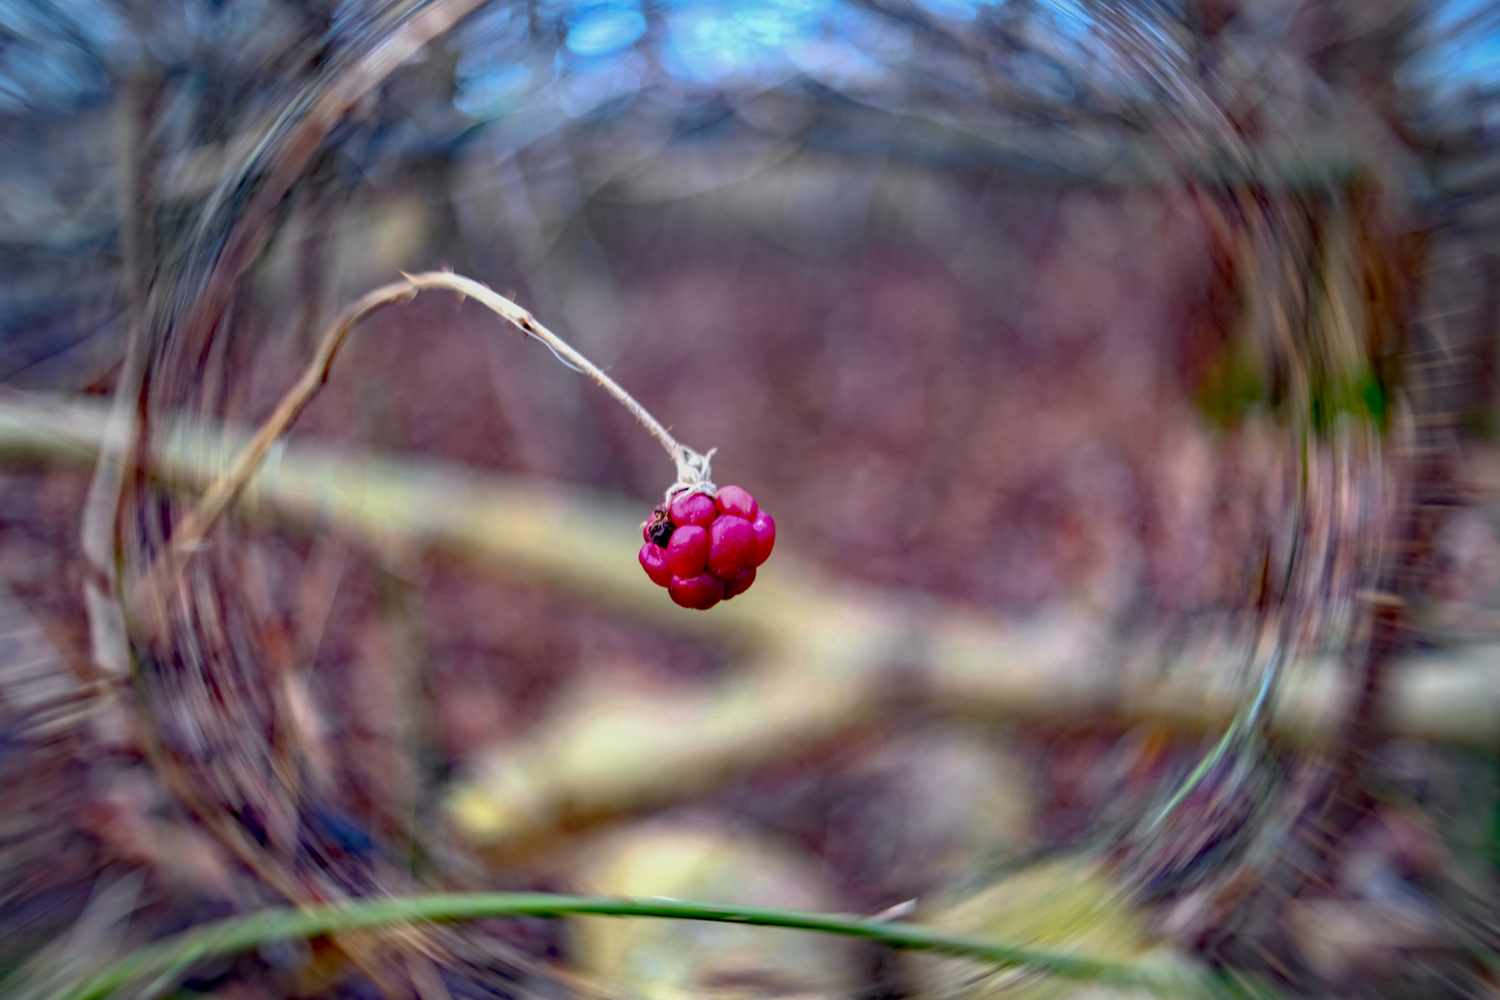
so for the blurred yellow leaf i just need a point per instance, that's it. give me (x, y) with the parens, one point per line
(688, 960)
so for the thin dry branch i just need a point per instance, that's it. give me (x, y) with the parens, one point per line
(137, 119)
(188, 536)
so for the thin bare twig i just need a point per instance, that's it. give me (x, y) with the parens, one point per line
(252, 225)
(138, 111)
(188, 536)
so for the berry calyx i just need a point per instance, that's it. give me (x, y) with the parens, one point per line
(700, 592)
(732, 546)
(687, 552)
(764, 526)
(737, 502)
(654, 561)
(692, 508)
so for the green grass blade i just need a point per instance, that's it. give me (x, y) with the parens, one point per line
(176, 954)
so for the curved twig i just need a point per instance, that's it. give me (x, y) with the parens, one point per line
(188, 536)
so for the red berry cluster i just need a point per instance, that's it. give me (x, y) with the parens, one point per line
(705, 549)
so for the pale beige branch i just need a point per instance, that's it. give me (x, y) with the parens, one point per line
(815, 652)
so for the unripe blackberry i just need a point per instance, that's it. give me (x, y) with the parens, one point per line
(705, 549)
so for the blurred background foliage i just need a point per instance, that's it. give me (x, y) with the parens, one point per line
(1117, 373)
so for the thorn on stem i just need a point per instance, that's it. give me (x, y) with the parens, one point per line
(898, 912)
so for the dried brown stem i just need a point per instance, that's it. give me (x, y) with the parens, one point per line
(188, 536)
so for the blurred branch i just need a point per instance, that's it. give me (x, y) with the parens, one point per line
(821, 652)
(138, 157)
(252, 223)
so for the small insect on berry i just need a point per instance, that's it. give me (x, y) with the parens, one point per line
(705, 549)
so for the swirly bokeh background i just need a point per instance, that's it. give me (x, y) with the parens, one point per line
(1120, 375)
